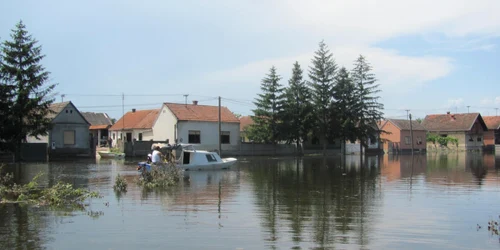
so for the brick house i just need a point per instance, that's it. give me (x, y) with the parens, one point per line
(396, 137)
(468, 128)
(492, 137)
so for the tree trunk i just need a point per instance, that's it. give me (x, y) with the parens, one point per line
(324, 145)
(17, 151)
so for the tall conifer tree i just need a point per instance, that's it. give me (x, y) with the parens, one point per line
(23, 73)
(322, 76)
(268, 116)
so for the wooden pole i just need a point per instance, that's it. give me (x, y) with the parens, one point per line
(220, 148)
(411, 135)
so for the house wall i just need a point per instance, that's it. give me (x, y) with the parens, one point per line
(82, 136)
(489, 137)
(416, 134)
(209, 133)
(164, 127)
(391, 137)
(464, 139)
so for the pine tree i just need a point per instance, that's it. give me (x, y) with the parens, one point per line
(23, 73)
(346, 106)
(322, 75)
(268, 115)
(370, 109)
(298, 108)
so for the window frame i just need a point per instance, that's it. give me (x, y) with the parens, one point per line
(73, 135)
(407, 140)
(225, 135)
(192, 134)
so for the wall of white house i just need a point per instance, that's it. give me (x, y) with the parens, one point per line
(209, 133)
(164, 127)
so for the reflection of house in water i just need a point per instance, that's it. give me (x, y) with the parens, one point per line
(395, 167)
(354, 161)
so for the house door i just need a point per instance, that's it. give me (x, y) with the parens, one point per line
(129, 137)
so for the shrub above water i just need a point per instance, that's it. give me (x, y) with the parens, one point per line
(160, 176)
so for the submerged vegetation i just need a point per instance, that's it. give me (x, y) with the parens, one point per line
(160, 176)
(120, 184)
(442, 140)
(59, 195)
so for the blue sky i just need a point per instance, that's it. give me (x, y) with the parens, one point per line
(429, 56)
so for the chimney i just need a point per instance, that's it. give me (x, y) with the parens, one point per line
(195, 102)
(448, 112)
(133, 110)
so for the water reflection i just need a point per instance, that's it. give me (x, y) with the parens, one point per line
(319, 200)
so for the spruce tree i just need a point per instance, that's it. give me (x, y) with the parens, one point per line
(268, 115)
(370, 109)
(22, 72)
(346, 106)
(322, 76)
(298, 108)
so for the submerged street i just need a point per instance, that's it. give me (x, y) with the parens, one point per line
(428, 201)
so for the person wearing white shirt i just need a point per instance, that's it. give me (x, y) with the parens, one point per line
(156, 156)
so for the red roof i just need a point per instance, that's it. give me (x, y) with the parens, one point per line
(452, 122)
(202, 113)
(140, 119)
(95, 127)
(492, 122)
(245, 121)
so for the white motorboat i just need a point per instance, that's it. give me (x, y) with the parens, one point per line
(192, 159)
(104, 154)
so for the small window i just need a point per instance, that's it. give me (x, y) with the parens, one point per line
(470, 139)
(224, 137)
(444, 135)
(407, 140)
(479, 139)
(71, 111)
(211, 158)
(69, 137)
(140, 136)
(66, 111)
(194, 136)
(419, 140)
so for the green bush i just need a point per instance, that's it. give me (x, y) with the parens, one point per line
(160, 176)
(120, 184)
(441, 140)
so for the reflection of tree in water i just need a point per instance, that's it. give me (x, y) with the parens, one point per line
(475, 164)
(22, 227)
(322, 194)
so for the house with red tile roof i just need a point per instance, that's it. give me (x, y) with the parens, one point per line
(468, 128)
(398, 137)
(245, 122)
(492, 137)
(197, 124)
(135, 125)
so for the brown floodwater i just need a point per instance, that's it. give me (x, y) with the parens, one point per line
(428, 201)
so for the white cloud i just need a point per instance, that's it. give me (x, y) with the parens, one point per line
(485, 102)
(455, 102)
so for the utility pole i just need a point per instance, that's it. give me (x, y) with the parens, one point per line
(468, 109)
(62, 97)
(407, 110)
(411, 136)
(220, 148)
(185, 99)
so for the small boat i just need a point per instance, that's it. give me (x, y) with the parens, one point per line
(110, 154)
(192, 159)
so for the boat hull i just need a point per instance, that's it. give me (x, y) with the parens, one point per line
(225, 164)
(111, 155)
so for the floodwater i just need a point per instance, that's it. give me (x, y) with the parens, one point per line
(389, 202)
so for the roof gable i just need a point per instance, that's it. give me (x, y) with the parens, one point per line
(56, 108)
(202, 113)
(405, 124)
(140, 119)
(57, 113)
(492, 122)
(452, 122)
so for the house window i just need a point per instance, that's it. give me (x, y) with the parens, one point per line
(211, 158)
(224, 137)
(69, 137)
(114, 136)
(479, 139)
(419, 140)
(407, 140)
(194, 136)
(140, 136)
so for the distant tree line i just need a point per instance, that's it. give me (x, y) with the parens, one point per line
(25, 92)
(332, 104)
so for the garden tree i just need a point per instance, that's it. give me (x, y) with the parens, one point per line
(237, 115)
(26, 81)
(346, 106)
(298, 108)
(322, 75)
(268, 114)
(370, 109)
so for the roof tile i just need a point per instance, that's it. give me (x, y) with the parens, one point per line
(205, 113)
(403, 124)
(450, 122)
(492, 122)
(140, 119)
(245, 121)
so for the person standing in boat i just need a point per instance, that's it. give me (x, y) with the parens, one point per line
(156, 156)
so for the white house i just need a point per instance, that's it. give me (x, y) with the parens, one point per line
(136, 124)
(197, 124)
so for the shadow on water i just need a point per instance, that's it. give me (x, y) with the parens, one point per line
(320, 200)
